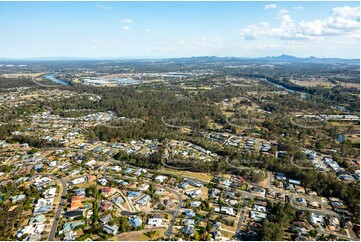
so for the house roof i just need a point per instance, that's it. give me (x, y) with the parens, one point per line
(188, 230)
(135, 221)
(37, 219)
(106, 219)
(74, 214)
(76, 205)
(188, 221)
(106, 189)
(79, 191)
(111, 229)
(77, 198)
(133, 194)
(72, 225)
(105, 205)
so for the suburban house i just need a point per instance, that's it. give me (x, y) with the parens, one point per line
(188, 230)
(195, 204)
(189, 213)
(105, 206)
(78, 181)
(79, 191)
(106, 219)
(188, 221)
(39, 219)
(259, 208)
(317, 219)
(76, 203)
(135, 221)
(194, 193)
(225, 210)
(133, 194)
(118, 200)
(155, 222)
(183, 185)
(111, 229)
(260, 191)
(258, 216)
(106, 191)
(143, 201)
(160, 178)
(70, 235)
(17, 198)
(74, 214)
(71, 226)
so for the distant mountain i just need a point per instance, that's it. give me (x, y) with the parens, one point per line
(290, 58)
(269, 59)
(281, 58)
(203, 59)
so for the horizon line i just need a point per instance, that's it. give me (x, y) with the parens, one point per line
(163, 58)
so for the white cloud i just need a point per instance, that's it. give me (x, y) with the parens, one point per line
(347, 12)
(271, 6)
(126, 27)
(344, 21)
(102, 6)
(152, 31)
(213, 42)
(298, 8)
(283, 11)
(127, 21)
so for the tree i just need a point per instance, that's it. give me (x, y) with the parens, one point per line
(271, 231)
(313, 233)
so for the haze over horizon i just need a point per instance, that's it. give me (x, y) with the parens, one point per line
(164, 58)
(154, 30)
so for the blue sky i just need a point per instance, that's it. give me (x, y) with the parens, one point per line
(179, 29)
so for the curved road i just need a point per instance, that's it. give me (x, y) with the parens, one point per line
(304, 126)
(169, 231)
(60, 207)
(239, 167)
(174, 126)
(174, 167)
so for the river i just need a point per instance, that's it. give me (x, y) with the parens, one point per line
(51, 77)
(277, 85)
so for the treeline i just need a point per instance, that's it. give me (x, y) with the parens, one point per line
(15, 82)
(336, 95)
(35, 142)
(6, 130)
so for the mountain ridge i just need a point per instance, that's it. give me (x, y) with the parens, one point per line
(280, 58)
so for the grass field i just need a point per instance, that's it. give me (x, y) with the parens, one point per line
(22, 75)
(138, 235)
(199, 175)
(313, 83)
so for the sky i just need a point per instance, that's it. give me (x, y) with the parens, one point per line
(179, 29)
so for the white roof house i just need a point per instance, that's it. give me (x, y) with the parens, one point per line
(257, 215)
(160, 178)
(91, 163)
(155, 222)
(259, 208)
(50, 193)
(194, 193)
(78, 180)
(226, 210)
(317, 219)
